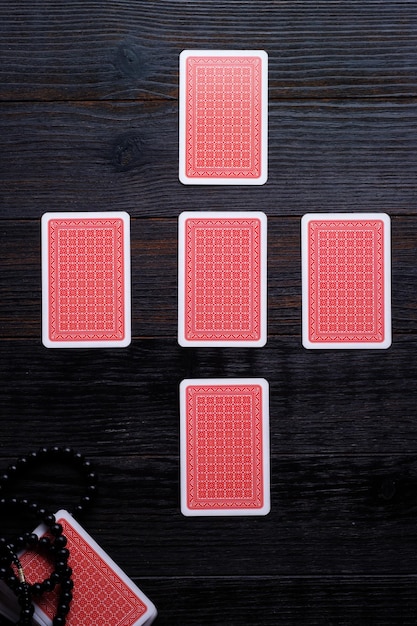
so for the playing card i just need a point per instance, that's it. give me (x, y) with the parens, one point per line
(346, 276)
(223, 117)
(224, 447)
(86, 280)
(222, 279)
(102, 593)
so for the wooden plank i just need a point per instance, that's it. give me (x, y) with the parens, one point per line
(154, 277)
(339, 601)
(321, 402)
(268, 601)
(333, 156)
(129, 50)
(331, 515)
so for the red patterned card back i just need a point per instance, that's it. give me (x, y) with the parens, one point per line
(86, 281)
(224, 451)
(102, 593)
(222, 279)
(347, 278)
(223, 119)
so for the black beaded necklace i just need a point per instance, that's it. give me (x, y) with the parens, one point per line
(55, 549)
(67, 456)
(54, 545)
(20, 588)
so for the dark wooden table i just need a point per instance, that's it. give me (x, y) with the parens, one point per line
(89, 121)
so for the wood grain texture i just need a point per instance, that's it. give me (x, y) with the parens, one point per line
(323, 156)
(331, 516)
(266, 601)
(348, 402)
(129, 49)
(154, 277)
(89, 121)
(386, 601)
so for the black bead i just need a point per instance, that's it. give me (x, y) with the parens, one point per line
(60, 541)
(23, 600)
(63, 553)
(27, 612)
(32, 539)
(36, 589)
(63, 608)
(66, 596)
(68, 583)
(44, 542)
(56, 529)
(47, 585)
(49, 519)
(33, 507)
(60, 566)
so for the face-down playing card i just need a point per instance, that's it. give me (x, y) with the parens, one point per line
(224, 447)
(223, 117)
(86, 280)
(346, 275)
(102, 594)
(222, 279)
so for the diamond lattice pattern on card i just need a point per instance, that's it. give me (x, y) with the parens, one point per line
(346, 280)
(100, 596)
(223, 279)
(86, 279)
(224, 447)
(223, 117)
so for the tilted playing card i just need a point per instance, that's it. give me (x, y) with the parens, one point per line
(103, 594)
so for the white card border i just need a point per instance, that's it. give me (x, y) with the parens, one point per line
(151, 611)
(47, 342)
(186, 180)
(183, 217)
(265, 509)
(386, 343)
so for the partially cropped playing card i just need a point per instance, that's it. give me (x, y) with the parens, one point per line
(223, 117)
(86, 280)
(346, 272)
(102, 594)
(222, 279)
(224, 447)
